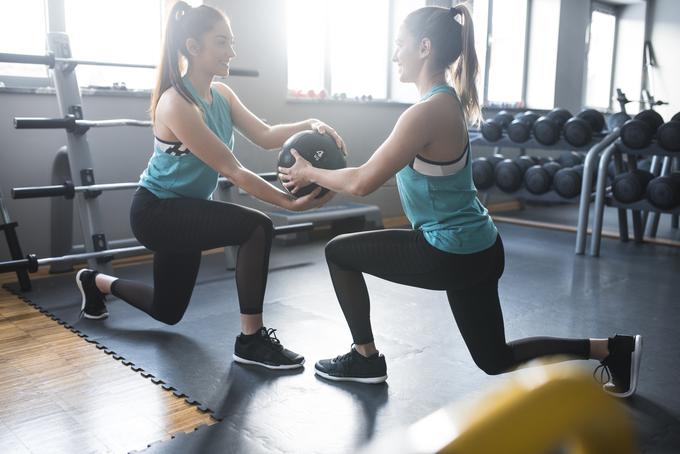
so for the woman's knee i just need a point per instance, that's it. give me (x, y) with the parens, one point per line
(493, 364)
(336, 249)
(170, 318)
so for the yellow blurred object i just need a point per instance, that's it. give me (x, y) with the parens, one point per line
(536, 411)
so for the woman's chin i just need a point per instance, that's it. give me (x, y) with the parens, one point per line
(222, 71)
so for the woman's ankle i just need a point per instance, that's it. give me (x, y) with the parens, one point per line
(366, 350)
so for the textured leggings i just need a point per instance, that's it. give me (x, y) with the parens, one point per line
(470, 282)
(177, 230)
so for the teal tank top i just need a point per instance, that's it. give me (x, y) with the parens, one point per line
(173, 171)
(446, 208)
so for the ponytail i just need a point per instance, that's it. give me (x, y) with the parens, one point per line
(465, 69)
(183, 22)
(453, 46)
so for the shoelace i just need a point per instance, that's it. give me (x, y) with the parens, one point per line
(271, 337)
(344, 360)
(600, 372)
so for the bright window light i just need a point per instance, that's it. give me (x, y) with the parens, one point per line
(480, 18)
(508, 34)
(359, 51)
(127, 31)
(306, 35)
(333, 48)
(22, 31)
(545, 24)
(600, 59)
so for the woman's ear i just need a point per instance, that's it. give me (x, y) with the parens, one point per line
(425, 48)
(193, 46)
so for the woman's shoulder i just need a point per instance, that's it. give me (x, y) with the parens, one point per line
(224, 90)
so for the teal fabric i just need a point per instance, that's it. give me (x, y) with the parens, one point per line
(446, 208)
(168, 176)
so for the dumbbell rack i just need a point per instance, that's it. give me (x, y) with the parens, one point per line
(603, 197)
(476, 138)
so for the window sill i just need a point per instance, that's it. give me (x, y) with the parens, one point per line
(351, 102)
(83, 91)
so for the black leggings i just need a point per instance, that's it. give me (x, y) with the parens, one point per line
(470, 282)
(177, 230)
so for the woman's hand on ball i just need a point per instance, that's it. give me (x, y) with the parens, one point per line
(294, 177)
(323, 128)
(310, 200)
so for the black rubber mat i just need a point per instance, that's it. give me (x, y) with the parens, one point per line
(546, 290)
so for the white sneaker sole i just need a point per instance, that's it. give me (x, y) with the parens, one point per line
(238, 359)
(84, 298)
(369, 381)
(634, 369)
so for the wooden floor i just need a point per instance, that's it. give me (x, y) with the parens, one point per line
(59, 393)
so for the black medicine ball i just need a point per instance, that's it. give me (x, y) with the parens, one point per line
(319, 149)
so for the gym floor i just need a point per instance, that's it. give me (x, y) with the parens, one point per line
(183, 377)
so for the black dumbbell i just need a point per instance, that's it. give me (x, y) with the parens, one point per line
(492, 130)
(567, 181)
(509, 173)
(638, 132)
(538, 178)
(668, 135)
(579, 130)
(664, 192)
(630, 186)
(617, 120)
(570, 158)
(547, 129)
(676, 117)
(483, 171)
(520, 129)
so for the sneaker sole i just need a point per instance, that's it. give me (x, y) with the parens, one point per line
(238, 359)
(634, 369)
(369, 381)
(83, 299)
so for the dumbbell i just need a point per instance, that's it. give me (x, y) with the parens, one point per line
(520, 129)
(630, 186)
(579, 130)
(538, 179)
(567, 181)
(570, 158)
(617, 120)
(638, 132)
(547, 128)
(668, 135)
(664, 192)
(509, 173)
(483, 171)
(492, 130)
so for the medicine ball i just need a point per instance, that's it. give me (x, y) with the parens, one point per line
(319, 149)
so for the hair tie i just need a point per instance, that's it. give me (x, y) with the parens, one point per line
(180, 14)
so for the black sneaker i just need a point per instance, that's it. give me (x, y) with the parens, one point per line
(93, 306)
(353, 366)
(264, 349)
(622, 366)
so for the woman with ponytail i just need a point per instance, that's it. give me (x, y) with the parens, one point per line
(172, 213)
(454, 245)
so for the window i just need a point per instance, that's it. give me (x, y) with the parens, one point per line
(516, 44)
(507, 42)
(22, 31)
(600, 59)
(334, 50)
(545, 21)
(95, 33)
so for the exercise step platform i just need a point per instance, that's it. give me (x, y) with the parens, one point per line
(341, 216)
